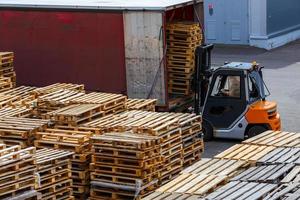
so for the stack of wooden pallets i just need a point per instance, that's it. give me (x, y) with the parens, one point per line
(191, 137)
(58, 86)
(17, 169)
(7, 69)
(182, 40)
(75, 114)
(168, 127)
(20, 131)
(141, 104)
(74, 141)
(54, 174)
(124, 165)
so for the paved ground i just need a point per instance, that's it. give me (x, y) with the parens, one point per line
(282, 76)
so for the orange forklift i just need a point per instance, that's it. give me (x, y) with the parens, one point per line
(232, 98)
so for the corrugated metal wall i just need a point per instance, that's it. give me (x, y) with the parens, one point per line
(144, 53)
(78, 47)
(282, 16)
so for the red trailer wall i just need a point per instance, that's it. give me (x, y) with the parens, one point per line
(62, 46)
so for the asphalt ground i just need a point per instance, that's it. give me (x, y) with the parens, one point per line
(282, 77)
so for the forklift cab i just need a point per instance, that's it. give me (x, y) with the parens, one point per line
(234, 104)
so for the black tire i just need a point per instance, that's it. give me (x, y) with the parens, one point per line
(255, 130)
(207, 130)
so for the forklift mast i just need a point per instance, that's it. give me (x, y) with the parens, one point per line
(202, 75)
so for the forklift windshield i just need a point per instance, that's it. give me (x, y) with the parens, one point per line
(257, 87)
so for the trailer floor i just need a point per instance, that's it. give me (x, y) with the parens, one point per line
(282, 76)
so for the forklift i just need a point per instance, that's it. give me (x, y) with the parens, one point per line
(232, 98)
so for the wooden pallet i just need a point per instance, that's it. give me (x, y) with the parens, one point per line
(170, 196)
(13, 142)
(58, 86)
(141, 104)
(73, 115)
(77, 141)
(286, 191)
(5, 84)
(26, 195)
(21, 128)
(6, 58)
(293, 176)
(101, 190)
(179, 75)
(193, 184)
(265, 174)
(181, 69)
(58, 98)
(275, 138)
(249, 153)
(21, 96)
(280, 156)
(138, 121)
(7, 99)
(242, 190)
(207, 166)
(110, 103)
(15, 112)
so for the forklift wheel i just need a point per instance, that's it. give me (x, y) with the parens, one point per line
(207, 131)
(256, 130)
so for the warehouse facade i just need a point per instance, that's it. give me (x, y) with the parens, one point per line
(262, 23)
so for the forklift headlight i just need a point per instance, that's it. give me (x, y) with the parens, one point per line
(272, 111)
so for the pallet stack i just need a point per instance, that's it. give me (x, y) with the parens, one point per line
(17, 173)
(168, 127)
(20, 131)
(124, 165)
(191, 137)
(54, 174)
(141, 104)
(7, 71)
(74, 141)
(182, 40)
